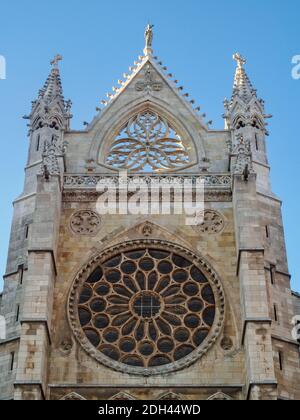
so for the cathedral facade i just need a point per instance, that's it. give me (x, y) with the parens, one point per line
(145, 306)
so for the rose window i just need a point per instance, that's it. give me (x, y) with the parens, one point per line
(145, 309)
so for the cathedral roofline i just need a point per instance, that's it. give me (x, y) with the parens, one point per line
(143, 60)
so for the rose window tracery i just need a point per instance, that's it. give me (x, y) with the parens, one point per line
(149, 144)
(145, 309)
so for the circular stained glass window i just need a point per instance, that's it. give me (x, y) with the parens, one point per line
(147, 309)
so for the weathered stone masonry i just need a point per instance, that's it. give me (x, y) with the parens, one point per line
(217, 322)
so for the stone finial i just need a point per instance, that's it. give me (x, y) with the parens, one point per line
(241, 61)
(56, 60)
(148, 40)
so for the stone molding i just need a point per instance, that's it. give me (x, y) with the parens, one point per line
(84, 181)
(91, 196)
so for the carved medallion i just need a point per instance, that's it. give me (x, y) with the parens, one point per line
(212, 223)
(147, 229)
(85, 222)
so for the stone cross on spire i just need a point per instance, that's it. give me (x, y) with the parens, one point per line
(148, 39)
(56, 60)
(241, 61)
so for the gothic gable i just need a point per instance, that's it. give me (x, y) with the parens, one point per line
(122, 396)
(220, 396)
(148, 92)
(73, 396)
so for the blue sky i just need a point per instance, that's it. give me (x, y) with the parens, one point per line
(195, 39)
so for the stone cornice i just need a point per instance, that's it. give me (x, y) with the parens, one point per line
(82, 188)
(148, 386)
(83, 181)
(87, 196)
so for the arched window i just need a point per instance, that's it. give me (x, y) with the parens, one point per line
(148, 143)
(145, 308)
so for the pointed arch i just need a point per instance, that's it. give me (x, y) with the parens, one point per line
(148, 143)
(170, 396)
(239, 122)
(112, 122)
(220, 396)
(122, 396)
(72, 396)
(257, 122)
(52, 120)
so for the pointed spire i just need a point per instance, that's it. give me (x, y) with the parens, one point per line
(244, 109)
(242, 84)
(53, 87)
(51, 101)
(148, 51)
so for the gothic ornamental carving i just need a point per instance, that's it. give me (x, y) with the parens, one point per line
(122, 396)
(147, 229)
(85, 222)
(212, 223)
(149, 84)
(52, 151)
(170, 396)
(148, 144)
(220, 396)
(243, 154)
(147, 307)
(226, 343)
(66, 346)
(73, 396)
(90, 181)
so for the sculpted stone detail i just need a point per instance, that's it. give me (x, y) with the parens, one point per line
(212, 223)
(73, 396)
(148, 144)
(149, 35)
(73, 196)
(149, 84)
(122, 396)
(91, 181)
(220, 396)
(52, 151)
(170, 397)
(85, 222)
(50, 110)
(243, 154)
(226, 344)
(66, 346)
(147, 229)
(147, 307)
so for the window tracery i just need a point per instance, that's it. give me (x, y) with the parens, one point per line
(146, 309)
(149, 144)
